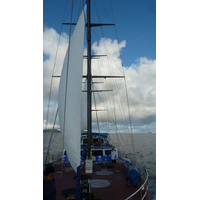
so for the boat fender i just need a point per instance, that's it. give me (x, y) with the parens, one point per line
(132, 174)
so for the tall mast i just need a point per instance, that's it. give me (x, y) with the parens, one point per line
(89, 80)
(89, 77)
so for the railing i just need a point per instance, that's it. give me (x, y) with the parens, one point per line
(143, 187)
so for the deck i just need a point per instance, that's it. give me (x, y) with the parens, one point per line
(118, 189)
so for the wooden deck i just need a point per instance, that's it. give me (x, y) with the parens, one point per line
(117, 190)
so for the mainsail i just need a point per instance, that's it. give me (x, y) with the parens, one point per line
(70, 92)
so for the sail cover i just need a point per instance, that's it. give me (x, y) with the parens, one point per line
(70, 92)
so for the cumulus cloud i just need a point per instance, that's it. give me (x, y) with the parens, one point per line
(140, 81)
(52, 65)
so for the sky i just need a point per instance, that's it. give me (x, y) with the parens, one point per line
(135, 22)
(136, 33)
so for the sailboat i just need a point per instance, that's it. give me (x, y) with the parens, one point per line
(83, 149)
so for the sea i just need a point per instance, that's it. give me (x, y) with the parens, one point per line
(144, 152)
(143, 155)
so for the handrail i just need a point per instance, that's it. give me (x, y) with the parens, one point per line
(141, 187)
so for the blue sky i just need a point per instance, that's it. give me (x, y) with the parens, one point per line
(135, 22)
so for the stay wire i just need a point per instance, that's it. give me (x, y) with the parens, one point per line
(47, 154)
(47, 117)
(67, 71)
(130, 122)
(126, 91)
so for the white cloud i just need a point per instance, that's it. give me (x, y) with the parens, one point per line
(142, 86)
(140, 79)
(50, 43)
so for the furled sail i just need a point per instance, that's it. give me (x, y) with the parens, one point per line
(70, 92)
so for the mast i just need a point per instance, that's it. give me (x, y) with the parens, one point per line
(89, 77)
(89, 81)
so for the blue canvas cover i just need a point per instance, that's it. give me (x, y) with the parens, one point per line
(96, 134)
(132, 173)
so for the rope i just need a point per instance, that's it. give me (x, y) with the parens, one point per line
(53, 71)
(47, 154)
(124, 82)
(98, 123)
(67, 76)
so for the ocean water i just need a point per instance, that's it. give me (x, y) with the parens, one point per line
(145, 153)
(141, 148)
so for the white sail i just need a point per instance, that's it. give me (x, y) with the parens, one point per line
(84, 108)
(70, 92)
